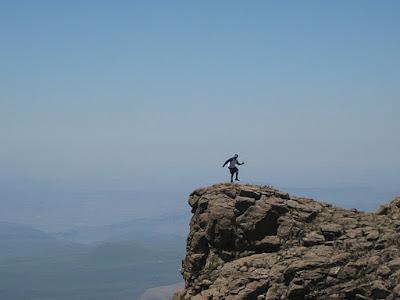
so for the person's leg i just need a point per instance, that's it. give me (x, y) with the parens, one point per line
(232, 173)
(237, 174)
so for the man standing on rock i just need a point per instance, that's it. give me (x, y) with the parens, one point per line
(232, 166)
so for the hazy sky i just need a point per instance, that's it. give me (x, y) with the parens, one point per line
(160, 93)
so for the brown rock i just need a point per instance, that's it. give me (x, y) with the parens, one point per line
(396, 290)
(250, 193)
(331, 231)
(372, 235)
(394, 264)
(269, 244)
(230, 192)
(259, 220)
(296, 292)
(383, 271)
(252, 242)
(313, 238)
(243, 203)
(379, 290)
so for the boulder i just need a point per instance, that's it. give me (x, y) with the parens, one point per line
(255, 242)
(313, 238)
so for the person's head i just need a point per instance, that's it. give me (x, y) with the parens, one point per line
(236, 156)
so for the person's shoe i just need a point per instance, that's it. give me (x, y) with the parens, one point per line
(237, 179)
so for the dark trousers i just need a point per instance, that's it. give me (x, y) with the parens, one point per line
(233, 172)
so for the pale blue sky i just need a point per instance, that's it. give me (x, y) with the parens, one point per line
(131, 94)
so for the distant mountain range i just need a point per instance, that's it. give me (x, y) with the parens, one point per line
(18, 240)
(162, 229)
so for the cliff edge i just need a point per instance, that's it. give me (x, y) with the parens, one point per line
(255, 242)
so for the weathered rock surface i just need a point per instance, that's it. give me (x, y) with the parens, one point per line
(252, 242)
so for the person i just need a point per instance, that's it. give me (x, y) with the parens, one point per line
(232, 166)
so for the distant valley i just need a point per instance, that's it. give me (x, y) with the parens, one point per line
(111, 264)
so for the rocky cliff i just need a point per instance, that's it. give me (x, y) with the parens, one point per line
(253, 242)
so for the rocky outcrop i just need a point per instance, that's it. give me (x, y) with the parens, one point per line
(253, 242)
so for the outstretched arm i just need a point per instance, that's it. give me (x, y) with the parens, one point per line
(226, 162)
(240, 163)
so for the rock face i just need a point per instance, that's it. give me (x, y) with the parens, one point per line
(252, 242)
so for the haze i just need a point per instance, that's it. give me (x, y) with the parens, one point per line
(111, 111)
